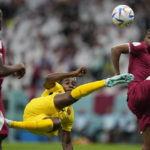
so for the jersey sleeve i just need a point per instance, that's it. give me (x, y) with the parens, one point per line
(57, 88)
(135, 48)
(45, 93)
(68, 119)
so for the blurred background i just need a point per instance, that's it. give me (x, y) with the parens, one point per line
(60, 36)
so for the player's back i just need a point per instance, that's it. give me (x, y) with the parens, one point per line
(139, 61)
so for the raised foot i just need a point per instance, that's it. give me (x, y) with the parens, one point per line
(119, 79)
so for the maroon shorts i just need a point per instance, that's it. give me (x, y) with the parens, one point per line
(4, 129)
(139, 102)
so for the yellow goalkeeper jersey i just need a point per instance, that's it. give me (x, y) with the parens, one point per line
(42, 107)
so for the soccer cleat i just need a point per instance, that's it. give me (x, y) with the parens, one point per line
(8, 122)
(119, 79)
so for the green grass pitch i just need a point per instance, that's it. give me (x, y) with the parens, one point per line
(57, 146)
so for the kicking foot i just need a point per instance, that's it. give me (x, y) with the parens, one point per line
(119, 79)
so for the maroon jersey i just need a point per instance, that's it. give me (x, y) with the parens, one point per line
(139, 89)
(139, 61)
(3, 127)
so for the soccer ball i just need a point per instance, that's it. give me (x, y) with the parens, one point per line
(122, 15)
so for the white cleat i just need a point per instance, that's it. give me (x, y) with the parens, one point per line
(119, 79)
(8, 122)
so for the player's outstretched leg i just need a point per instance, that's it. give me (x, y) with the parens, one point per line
(45, 125)
(88, 88)
(67, 99)
(119, 79)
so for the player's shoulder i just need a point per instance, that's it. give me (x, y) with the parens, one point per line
(56, 89)
(58, 85)
(130, 43)
(137, 44)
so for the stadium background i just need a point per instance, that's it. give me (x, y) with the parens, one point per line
(60, 36)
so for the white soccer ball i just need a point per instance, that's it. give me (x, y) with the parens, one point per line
(122, 15)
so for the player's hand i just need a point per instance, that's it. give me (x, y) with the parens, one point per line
(80, 72)
(21, 71)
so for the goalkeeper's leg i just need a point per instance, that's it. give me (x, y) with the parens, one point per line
(45, 125)
(68, 98)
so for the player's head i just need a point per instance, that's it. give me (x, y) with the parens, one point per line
(68, 84)
(147, 37)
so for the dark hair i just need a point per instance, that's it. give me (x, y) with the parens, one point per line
(60, 82)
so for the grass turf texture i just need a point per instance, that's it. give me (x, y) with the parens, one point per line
(57, 146)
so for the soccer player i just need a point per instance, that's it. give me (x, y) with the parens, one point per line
(45, 115)
(138, 90)
(5, 70)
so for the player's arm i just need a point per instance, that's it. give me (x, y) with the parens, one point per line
(51, 79)
(66, 140)
(5, 70)
(115, 55)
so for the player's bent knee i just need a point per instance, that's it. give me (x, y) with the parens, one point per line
(56, 123)
(69, 97)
